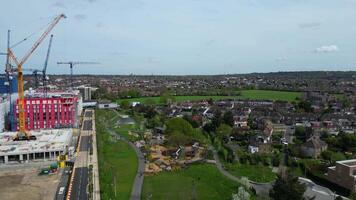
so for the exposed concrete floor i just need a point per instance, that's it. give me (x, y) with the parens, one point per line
(25, 183)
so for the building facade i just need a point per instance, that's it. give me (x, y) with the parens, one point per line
(85, 92)
(343, 174)
(48, 113)
(7, 87)
(2, 114)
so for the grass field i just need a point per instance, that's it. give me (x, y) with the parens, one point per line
(257, 173)
(177, 98)
(270, 95)
(117, 161)
(201, 181)
(245, 94)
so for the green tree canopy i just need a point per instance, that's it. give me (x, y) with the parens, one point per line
(125, 104)
(228, 118)
(287, 187)
(223, 130)
(179, 125)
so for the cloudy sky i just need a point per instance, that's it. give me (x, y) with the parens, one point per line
(186, 36)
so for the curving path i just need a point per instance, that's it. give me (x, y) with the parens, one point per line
(260, 188)
(138, 183)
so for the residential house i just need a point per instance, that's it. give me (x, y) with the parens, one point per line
(313, 147)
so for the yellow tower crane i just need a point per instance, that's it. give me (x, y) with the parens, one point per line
(23, 134)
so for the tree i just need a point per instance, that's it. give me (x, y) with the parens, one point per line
(306, 106)
(166, 97)
(192, 122)
(242, 194)
(179, 125)
(125, 104)
(352, 196)
(287, 187)
(301, 133)
(178, 139)
(223, 131)
(228, 118)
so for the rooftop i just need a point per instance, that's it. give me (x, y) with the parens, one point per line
(349, 163)
(47, 140)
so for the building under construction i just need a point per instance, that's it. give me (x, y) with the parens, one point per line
(57, 110)
(49, 145)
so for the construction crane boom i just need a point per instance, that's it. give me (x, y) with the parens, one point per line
(71, 65)
(43, 36)
(23, 134)
(44, 71)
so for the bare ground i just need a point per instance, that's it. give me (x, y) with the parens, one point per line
(25, 183)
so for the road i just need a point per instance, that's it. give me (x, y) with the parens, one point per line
(79, 191)
(79, 184)
(317, 191)
(63, 183)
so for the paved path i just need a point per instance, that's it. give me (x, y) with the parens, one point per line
(260, 188)
(94, 162)
(137, 186)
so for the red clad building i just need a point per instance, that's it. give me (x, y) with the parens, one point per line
(46, 113)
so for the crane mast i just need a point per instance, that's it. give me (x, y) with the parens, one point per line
(23, 134)
(44, 71)
(71, 65)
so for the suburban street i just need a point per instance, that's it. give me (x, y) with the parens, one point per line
(79, 189)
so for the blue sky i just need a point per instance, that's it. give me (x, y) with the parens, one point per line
(187, 36)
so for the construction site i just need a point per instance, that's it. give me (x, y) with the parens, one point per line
(40, 127)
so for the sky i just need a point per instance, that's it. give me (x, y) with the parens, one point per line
(184, 37)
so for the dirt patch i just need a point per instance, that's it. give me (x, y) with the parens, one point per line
(27, 184)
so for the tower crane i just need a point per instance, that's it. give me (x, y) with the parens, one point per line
(44, 70)
(71, 65)
(23, 134)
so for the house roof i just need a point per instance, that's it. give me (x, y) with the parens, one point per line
(315, 142)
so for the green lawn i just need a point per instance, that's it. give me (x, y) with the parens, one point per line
(245, 94)
(201, 181)
(117, 162)
(177, 98)
(270, 95)
(257, 173)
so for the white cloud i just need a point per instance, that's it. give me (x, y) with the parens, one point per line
(327, 49)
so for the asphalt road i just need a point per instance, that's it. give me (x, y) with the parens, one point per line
(84, 143)
(88, 125)
(88, 114)
(63, 183)
(317, 191)
(79, 191)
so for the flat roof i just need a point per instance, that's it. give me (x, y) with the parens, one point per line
(47, 140)
(349, 163)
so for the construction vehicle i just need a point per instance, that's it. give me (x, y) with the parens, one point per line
(71, 65)
(53, 168)
(22, 134)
